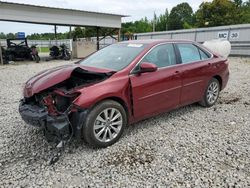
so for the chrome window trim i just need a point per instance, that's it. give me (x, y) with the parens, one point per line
(197, 46)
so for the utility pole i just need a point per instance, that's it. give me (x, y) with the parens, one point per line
(154, 22)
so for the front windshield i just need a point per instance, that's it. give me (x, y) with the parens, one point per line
(114, 57)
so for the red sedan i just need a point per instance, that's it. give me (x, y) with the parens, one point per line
(123, 83)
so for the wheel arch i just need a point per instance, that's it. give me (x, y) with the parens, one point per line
(121, 102)
(118, 100)
(218, 77)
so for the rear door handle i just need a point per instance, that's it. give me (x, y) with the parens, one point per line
(177, 74)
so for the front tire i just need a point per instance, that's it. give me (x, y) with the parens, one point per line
(104, 124)
(211, 94)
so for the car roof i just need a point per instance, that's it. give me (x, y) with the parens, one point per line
(153, 41)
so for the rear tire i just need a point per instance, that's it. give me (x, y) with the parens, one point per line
(11, 57)
(104, 124)
(211, 94)
(37, 58)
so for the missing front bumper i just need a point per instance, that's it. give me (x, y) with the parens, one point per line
(55, 127)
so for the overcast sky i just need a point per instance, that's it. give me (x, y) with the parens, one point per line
(137, 9)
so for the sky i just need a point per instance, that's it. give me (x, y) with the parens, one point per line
(136, 9)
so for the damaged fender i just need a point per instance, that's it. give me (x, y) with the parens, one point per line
(49, 96)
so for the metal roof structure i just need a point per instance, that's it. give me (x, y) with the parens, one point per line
(26, 13)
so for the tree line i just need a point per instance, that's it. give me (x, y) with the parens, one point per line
(182, 16)
(36, 36)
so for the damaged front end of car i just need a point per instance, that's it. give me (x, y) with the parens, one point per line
(50, 110)
(53, 108)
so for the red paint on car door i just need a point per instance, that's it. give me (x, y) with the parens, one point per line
(156, 92)
(196, 71)
(194, 79)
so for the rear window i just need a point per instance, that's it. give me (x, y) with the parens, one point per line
(204, 55)
(190, 53)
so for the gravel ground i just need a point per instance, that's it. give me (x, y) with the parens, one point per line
(188, 147)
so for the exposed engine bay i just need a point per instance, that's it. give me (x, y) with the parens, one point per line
(58, 98)
(52, 108)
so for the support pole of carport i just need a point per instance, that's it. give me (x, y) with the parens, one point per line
(55, 30)
(119, 35)
(97, 38)
(1, 55)
(70, 32)
(71, 43)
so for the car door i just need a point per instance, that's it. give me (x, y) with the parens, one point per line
(154, 92)
(195, 72)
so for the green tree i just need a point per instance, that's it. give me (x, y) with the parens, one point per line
(2, 35)
(245, 12)
(10, 36)
(187, 26)
(128, 27)
(180, 14)
(141, 26)
(48, 36)
(78, 32)
(86, 32)
(218, 12)
(238, 3)
(162, 22)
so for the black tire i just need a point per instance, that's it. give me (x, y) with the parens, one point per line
(66, 58)
(37, 58)
(11, 57)
(30, 57)
(88, 131)
(205, 101)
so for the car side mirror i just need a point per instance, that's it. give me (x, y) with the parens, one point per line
(147, 67)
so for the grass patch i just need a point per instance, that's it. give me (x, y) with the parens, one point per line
(43, 49)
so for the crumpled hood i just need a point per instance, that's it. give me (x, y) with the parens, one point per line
(51, 77)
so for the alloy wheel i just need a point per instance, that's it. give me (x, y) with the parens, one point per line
(212, 92)
(108, 124)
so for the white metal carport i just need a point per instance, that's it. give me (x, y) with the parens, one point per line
(15, 12)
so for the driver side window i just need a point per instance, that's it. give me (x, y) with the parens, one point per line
(162, 56)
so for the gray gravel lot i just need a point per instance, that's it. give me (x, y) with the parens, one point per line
(189, 147)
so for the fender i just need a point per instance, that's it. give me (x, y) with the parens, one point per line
(113, 87)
